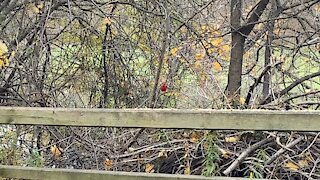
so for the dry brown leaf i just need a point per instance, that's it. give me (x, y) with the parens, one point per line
(149, 168)
(291, 166)
(107, 21)
(303, 163)
(194, 137)
(56, 151)
(108, 164)
(225, 154)
(131, 149)
(163, 154)
(197, 65)
(45, 139)
(199, 56)
(232, 139)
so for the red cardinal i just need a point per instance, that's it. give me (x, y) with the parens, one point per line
(163, 87)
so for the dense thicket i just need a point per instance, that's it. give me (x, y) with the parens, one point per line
(117, 54)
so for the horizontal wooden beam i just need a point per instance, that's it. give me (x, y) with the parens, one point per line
(72, 174)
(164, 118)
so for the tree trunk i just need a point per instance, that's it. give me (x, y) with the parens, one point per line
(237, 47)
(238, 37)
(267, 54)
(267, 61)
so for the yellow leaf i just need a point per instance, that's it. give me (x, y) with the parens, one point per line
(163, 154)
(56, 151)
(35, 9)
(40, 6)
(225, 48)
(145, 48)
(187, 170)
(1, 64)
(306, 59)
(108, 164)
(232, 139)
(204, 27)
(6, 61)
(3, 48)
(149, 168)
(174, 51)
(45, 139)
(206, 146)
(206, 45)
(194, 137)
(214, 29)
(309, 157)
(202, 78)
(199, 56)
(258, 43)
(242, 100)
(291, 166)
(12, 55)
(211, 50)
(194, 140)
(107, 21)
(248, 55)
(251, 175)
(277, 31)
(216, 41)
(225, 154)
(303, 162)
(224, 52)
(166, 59)
(217, 66)
(198, 65)
(184, 29)
(259, 26)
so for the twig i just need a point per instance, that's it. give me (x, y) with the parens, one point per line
(313, 141)
(254, 17)
(161, 58)
(290, 87)
(146, 149)
(258, 80)
(283, 149)
(283, 146)
(133, 139)
(301, 95)
(153, 96)
(245, 153)
(313, 168)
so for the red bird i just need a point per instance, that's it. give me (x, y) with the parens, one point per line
(163, 87)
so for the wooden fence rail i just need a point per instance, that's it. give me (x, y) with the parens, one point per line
(148, 118)
(165, 118)
(73, 174)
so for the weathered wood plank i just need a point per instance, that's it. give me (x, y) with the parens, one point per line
(165, 118)
(72, 174)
